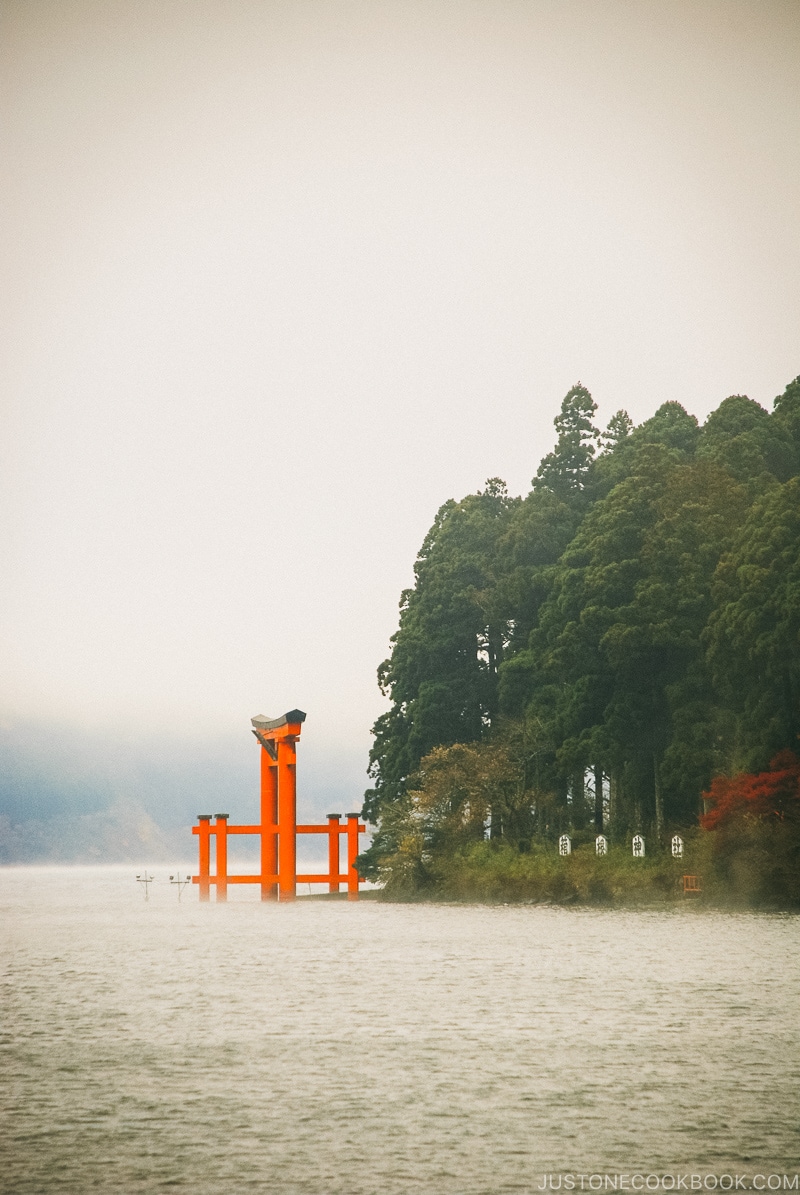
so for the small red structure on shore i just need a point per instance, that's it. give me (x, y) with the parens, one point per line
(278, 829)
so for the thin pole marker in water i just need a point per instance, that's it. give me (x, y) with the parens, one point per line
(176, 879)
(147, 880)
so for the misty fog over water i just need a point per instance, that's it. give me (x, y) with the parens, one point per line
(333, 1047)
(69, 796)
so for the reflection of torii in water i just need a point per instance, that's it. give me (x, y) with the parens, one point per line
(278, 829)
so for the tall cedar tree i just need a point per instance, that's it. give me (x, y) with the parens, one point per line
(442, 672)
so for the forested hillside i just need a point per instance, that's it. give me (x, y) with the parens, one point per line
(591, 656)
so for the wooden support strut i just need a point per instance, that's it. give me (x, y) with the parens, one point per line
(268, 828)
(352, 851)
(203, 831)
(221, 829)
(333, 852)
(287, 820)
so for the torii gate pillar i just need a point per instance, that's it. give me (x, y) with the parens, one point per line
(278, 737)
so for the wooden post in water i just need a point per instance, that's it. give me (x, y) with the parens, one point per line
(353, 830)
(221, 830)
(269, 820)
(203, 831)
(287, 819)
(333, 852)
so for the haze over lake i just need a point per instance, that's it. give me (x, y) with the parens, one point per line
(333, 1047)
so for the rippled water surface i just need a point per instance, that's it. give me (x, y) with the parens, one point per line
(324, 1048)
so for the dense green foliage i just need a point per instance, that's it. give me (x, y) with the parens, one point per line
(589, 657)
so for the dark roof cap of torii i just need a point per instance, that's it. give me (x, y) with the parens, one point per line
(262, 722)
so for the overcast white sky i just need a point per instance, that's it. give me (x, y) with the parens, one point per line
(281, 277)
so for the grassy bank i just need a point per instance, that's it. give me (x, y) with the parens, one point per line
(496, 873)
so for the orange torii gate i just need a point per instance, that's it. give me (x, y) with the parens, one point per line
(278, 829)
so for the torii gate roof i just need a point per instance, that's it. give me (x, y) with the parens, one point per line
(262, 722)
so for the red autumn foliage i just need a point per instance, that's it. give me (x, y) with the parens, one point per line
(772, 796)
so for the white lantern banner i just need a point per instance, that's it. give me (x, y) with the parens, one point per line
(638, 846)
(565, 845)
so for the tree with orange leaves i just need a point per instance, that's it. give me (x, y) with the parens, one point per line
(756, 819)
(772, 796)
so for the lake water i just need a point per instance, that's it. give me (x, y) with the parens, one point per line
(323, 1048)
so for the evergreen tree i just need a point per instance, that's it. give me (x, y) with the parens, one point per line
(754, 630)
(565, 471)
(786, 413)
(744, 439)
(619, 428)
(671, 427)
(442, 673)
(618, 657)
